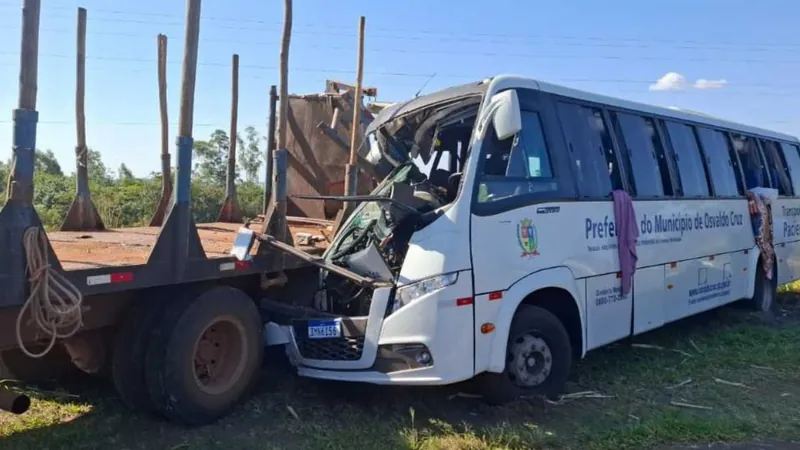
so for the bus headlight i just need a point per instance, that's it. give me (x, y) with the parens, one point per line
(411, 292)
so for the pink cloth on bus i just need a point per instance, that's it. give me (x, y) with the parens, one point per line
(627, 234)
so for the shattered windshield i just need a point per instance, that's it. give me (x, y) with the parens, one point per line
(367, 212)
(426, 136)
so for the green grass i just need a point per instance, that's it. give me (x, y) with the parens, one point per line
(744, 372)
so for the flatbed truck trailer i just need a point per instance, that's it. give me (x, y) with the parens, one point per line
(169, 309)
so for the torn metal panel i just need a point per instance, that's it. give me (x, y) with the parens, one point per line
(316, 159)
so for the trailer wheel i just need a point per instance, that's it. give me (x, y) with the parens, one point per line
(538, 358)
(130, 348)
(204, 355)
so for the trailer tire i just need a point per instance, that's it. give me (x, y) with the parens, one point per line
(537, 340)
(130, 348)
(204, 355)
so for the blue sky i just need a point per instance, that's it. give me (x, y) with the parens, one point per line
(746, 55)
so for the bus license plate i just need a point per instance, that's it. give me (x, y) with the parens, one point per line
(324, 329)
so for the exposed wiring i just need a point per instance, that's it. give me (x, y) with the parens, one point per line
(54, 303)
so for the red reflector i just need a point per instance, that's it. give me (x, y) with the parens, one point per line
(241, 265)
(122, 277)
(496, 295)
(673, 265)
(619, 274)
(464, 301)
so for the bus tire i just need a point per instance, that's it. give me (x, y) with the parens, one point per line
(204, 356)
(128, 354)
(765, 292)
(538, 358)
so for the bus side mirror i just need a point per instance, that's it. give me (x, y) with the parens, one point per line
(507, 119)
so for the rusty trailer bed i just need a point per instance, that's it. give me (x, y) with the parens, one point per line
(132, 246)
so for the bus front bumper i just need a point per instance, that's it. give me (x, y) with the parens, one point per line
(409, 347)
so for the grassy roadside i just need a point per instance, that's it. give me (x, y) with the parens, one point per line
(727, 375)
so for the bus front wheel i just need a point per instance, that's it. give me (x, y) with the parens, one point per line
(538, 358)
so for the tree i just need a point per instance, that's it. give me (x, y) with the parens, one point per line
(250, 155)
(46, 162)
(211, 156)
(98, 172)
(125, 173)
(4, 172)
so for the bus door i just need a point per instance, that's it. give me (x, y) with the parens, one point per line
(512, 233)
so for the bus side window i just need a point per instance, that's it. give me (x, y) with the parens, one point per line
(642, 146)
(689, 159)
(594, 163)
(720, 166)
(755, 173)
(517, 165)
(792, 157)
(776, 164)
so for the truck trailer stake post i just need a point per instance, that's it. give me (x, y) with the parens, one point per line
(18, 213)
(166, 159)
(280, 156)
(82, 215)
(231, 212)
(273, 103)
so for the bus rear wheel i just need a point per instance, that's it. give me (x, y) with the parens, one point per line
(204, 356)
(538, 358)
(765, 292)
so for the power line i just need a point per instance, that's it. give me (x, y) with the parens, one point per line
(380, 73)
(408, 34)
(227, 64)
(112, 124)
(471, 54)
(371, 48)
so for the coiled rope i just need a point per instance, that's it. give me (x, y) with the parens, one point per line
(54, 302)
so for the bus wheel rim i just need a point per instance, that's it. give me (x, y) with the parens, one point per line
(530, 361)
(220, 355)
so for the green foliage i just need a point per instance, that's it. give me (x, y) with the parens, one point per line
(250, 156)
(99, 175)
(46, 162)
(124, 200)
(52, 195)
(4, 170)
(212, 156)
(124, 173)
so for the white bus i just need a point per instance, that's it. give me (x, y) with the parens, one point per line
(502, 263)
